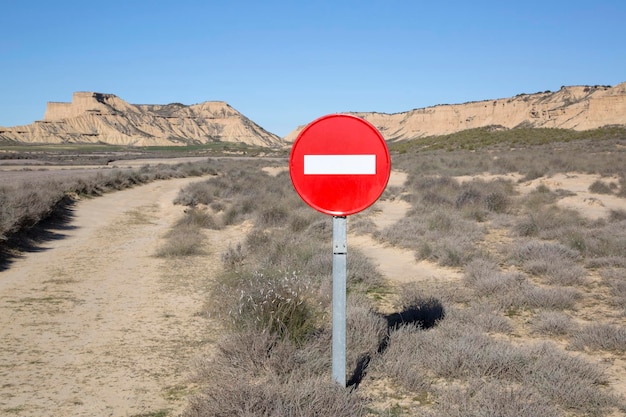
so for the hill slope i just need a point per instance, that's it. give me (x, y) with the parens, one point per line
(577, 107)
(105, 118)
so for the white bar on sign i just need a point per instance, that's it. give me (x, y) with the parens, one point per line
(339, 164)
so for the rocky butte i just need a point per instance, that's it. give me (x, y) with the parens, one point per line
(577, 108)
(105, 118)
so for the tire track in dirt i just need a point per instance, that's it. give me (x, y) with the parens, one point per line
(94, 324)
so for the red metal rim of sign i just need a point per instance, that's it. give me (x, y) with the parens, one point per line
(339, 164)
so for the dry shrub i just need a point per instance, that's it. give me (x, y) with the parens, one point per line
(513, 290)
(434, 190)
(552, 323)
(281, 303)
(549, 222)
(186, 237)
(201, 218)
(360, 271)
(184, 240)
(401, 361)
(234, 257)
(599, 336)
(482, 315)
(600, 187)
(272, 216)
(26, 204)
(569, 380)
(271, 397)
(490, 196)
(196, 193)
(23, 207)
(614, 278)
(442, 236)
(456, 352)
(492, 399)
(485, 277)
(257, 239)
(257, 373)
(554, 261)
(551, 298)
(600, 240)
(365, 329)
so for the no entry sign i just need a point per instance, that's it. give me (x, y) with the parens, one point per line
(339, 164)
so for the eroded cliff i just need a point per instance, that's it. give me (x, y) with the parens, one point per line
(577, 107)
(105, 118)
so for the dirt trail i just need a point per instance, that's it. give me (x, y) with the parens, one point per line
(93, 325)
(397, 265)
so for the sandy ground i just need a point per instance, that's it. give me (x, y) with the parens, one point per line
(94, 324)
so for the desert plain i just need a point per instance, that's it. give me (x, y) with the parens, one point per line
(99, 319)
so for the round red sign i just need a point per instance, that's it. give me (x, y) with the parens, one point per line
(339, 164)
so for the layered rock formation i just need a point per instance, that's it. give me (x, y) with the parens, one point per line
(105, 118)
(578, 108)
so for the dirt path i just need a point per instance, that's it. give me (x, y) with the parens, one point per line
(95, 325)
(397, 265)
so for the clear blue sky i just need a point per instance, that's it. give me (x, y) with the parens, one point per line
(285, 63)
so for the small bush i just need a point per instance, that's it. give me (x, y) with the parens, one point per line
(497, 202)
(234, 257)
(614, 278)
(601, 337)
(484, 316)
(468, 196)
(452, 352)
(365, 329)
(272, 397)
(196, 217)
(552, 260)
(272, 216)
(600, 187)
(280, 303)
(254, 372)
(195, 193)
(513, 290)
(529, 226)
(545, 298)
(182, 241)
(551, 323)
(479, 398)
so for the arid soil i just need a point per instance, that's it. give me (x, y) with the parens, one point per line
(95, 325)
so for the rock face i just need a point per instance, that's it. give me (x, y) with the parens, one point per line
(105, 118)
(577, 108)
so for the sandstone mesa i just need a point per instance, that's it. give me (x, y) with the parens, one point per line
(576, 107)
(105, 118)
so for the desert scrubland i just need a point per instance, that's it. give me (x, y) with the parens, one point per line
(489, 279)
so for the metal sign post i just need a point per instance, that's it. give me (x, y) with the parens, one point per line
(340, 253)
